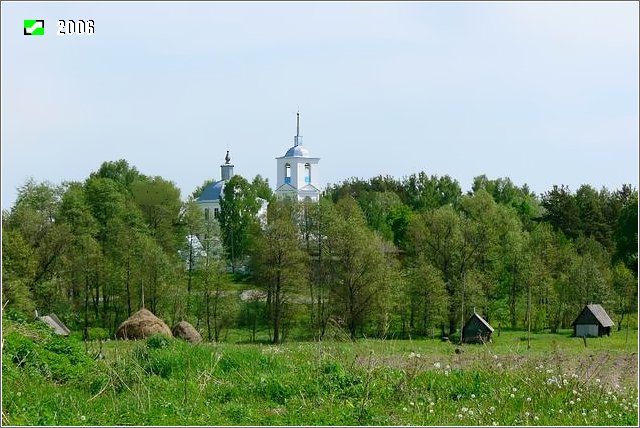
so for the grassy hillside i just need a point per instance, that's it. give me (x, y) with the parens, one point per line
(49, 380)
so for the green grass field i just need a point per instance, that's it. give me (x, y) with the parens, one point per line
(50, 381)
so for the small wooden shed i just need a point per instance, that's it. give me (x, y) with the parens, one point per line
(593, 321)
(476, 330)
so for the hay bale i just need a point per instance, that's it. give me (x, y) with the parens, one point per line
(186, 331)
(141, 325)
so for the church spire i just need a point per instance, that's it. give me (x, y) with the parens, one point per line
(298, 138)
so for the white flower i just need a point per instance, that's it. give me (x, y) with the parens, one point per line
(492, 409)
(597, 380)
(83, 418)
(459, 416)
(574, 392)
(514, 389)
(578, 399)
(535, 418)
(473, 396)
(526, 414)
(572, 402)
(560, 411)
(404, 409)
(511, 395)
(411, 403)
(495, 357)
(430, 410)
(470, 412)
(529, 399)
(431, 403)
(464, 409)
(495, 423)
(436, 364)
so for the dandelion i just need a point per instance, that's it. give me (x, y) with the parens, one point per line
(447, 367)
(574, 392)
(578, 399)
(464, 410)
(495, 357)
(436, 364)
(460, 416)
(597, 380)
(549, 371)
(83, 418)
(529, 399)
(514, 389)
(560, 411)
(470, 412)
(473, 396)
(572, 402)
(431, 403)
(430, 410)
(411, 403)
(492, 409)
(512, 395)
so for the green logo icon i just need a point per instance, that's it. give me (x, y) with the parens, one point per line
(34, 27)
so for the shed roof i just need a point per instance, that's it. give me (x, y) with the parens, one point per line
(482, 320)
(599, 313)
(54, 322)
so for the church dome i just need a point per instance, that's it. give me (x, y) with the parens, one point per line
(297, 151)
(212, 192)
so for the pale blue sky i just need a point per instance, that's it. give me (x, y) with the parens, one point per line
(544, 93)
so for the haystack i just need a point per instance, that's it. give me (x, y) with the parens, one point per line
(186, 331)
(141, 325)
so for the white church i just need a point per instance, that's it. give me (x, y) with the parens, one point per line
(297, 178)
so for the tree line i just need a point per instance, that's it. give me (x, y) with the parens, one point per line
(380, 257)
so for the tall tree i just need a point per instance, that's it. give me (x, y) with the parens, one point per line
(280, 262)
(238, 223)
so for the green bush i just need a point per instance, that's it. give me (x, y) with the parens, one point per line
(158, 341)
(55, 357)
(97, 333)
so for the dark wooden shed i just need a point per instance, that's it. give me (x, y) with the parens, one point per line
(476, 330)
(593, 321)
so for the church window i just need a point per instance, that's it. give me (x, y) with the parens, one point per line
(307, 173)
(206, 213)
(216, 212)
(287, 174)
